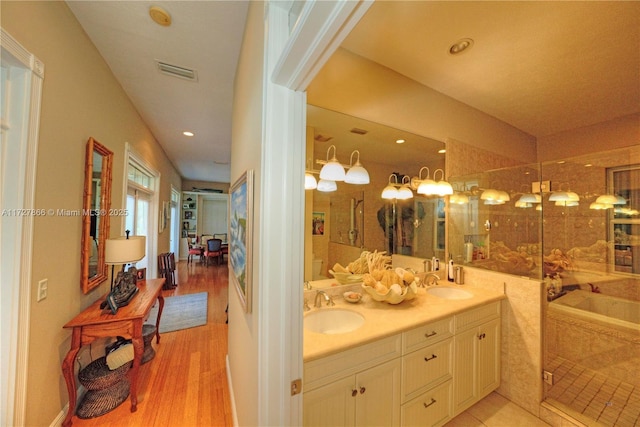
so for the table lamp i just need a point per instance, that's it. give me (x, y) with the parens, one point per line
(124, 250)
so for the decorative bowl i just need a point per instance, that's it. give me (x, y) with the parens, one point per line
(346, 278)
(394, 294)
(352, 297)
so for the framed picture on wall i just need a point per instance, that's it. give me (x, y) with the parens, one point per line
(318, 224)
(241, 237)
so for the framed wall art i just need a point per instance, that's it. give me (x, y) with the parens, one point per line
(241, 236)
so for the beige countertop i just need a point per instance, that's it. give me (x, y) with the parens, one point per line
(383, 319)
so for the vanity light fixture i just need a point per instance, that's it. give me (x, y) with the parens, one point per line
(390, 192)
(443, 187)
(327, 186)
(426, 185)
(459, 199)
(332, 170)
(356, 174)
(610, 199)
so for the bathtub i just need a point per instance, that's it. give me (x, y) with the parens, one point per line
(618, 313)
(596, 331)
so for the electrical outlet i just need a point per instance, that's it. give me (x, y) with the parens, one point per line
(547, 377)
(43, 287)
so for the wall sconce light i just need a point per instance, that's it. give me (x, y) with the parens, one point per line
(332, 170)
(459, 199)
(425, 186)
(530, 198)
(443, 187)
(568, 198)
(356, 174)
(494, 197)
(430, 187)
(390, 192)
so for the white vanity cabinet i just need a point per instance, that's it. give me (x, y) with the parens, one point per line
(357, 387)
(421, 377)
(477, 355)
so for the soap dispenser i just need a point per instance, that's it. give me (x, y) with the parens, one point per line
(450, 273)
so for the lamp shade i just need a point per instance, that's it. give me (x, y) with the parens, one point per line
(390, 192)
(332, 170)
(310, 182)
(356, 174)
(327, 186)
(123, 251)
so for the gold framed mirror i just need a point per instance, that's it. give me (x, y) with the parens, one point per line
(95, 214)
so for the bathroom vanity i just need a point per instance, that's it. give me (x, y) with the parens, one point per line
(417, 363)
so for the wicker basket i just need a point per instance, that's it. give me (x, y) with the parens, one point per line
(99, 402)
(97, 375)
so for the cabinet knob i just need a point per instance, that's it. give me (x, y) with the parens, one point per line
(354, 392)
(362, 390)
(426, 405)
(482, 336)
(433, 356)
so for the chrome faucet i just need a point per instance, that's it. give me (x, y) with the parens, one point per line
(320, 294)
(430, 279)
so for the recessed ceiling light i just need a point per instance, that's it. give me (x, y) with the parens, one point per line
(460, 46)
(442, 151)
(160, 16)
(187, 133)
(588, 165)
(399, 141)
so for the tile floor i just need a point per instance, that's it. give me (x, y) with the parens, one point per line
(496, 411)
(594, 396)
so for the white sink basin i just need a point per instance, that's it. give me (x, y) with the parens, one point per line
(333, 321)
(449, 293)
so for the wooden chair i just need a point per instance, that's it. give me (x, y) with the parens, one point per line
(193, 250)
(213, 250)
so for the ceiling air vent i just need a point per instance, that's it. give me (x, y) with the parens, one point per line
(359, 131)
(176, 71)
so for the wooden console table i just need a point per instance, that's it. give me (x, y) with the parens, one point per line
(95, 323)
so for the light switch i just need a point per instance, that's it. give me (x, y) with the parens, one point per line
(43, 287)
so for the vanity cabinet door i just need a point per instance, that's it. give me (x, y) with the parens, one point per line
(332, 405)
(477, 364)
(378, 400)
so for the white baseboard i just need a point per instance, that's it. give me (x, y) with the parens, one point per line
(57, 422)
(231, 395)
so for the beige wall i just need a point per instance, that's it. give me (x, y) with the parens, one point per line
(617, 133)
(80, 99)
(245, 152)
(353, 85)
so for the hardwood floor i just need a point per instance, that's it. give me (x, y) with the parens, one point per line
(186, 383)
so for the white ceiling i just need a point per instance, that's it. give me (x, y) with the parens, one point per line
(204, 36)
(543, 67)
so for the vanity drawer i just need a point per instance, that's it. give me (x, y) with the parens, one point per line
(427, 334)
(331, 368)
(477, 316)
(432, 408)
(426, 367)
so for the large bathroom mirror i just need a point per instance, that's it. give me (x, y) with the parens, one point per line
(95, 218)
(355, 217)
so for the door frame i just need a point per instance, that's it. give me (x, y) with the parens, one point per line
(20, 194)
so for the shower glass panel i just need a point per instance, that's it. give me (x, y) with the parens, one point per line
(592, 324)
